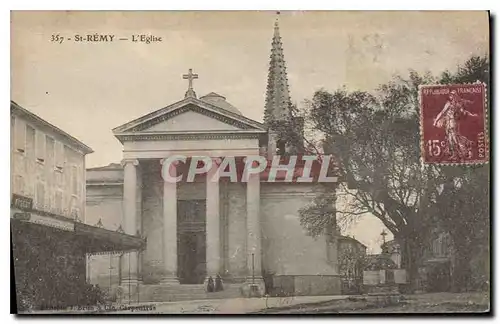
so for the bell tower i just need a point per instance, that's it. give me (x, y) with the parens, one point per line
(278, 111)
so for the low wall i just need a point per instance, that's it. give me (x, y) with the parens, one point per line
(308, 285)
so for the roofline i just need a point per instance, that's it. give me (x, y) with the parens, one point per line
(215, 93)
(17, 108)
(104, 168)
(234, 115)
(124, 127)
(218, 132)
(348, 238)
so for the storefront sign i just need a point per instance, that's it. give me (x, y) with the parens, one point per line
(22, 216)
(21, 202)
(52, 222)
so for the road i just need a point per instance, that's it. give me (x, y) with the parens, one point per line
(419, 303)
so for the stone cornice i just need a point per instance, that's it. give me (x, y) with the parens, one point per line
(185, 136)
(104, 183)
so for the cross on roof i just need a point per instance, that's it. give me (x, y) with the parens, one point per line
(190, 77)
(384, 234)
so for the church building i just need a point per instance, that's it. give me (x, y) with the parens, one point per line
(247, 233)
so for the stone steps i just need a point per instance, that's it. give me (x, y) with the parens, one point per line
(158, 293)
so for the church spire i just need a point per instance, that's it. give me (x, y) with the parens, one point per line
(277, 96)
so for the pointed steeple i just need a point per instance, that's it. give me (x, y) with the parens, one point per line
(277, 96)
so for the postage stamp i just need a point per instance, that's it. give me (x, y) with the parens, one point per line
(453, 124)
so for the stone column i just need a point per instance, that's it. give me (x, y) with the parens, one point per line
(129, 260)
(254, 285)
(213, 255)
(271, 145)
(170, 229)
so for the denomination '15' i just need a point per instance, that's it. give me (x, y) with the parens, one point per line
(434, 148)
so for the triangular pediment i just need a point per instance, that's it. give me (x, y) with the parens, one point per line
(190, 121)
(190, 115)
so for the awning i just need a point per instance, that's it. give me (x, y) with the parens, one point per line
(98, 240)
(92, 239)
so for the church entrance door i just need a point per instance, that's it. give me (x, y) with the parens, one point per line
(191, 241)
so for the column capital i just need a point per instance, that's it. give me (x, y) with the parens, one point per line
(134, 162)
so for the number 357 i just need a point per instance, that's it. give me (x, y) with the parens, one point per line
(56, 38)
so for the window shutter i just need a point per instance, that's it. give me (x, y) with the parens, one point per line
(74, 184)
(50, 147)
(59, 155)
(59, 202)
(30, 141)
(40, 146)
(20, 135)
(40, 195)
(74, 208)
(19, 184)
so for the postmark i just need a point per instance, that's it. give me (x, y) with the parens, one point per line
(453, 124)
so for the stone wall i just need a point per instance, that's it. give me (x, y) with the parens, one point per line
(298, 263)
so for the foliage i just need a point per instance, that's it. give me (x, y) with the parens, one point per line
(375, 139)
(352, 262)
(318, 217)
(463, 203)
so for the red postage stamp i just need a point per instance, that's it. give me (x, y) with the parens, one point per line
(453, 124)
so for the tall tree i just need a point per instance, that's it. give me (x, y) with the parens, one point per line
(375, 139)
(463, 204)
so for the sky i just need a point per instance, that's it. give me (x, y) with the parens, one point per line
(87, 89)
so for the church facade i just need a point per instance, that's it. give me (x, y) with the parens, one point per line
(246, 232)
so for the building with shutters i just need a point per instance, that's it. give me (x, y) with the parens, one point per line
(50, 241)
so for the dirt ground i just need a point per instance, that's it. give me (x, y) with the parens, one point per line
(421, 303)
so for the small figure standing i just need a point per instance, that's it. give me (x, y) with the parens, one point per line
(210, 284)
(218, 283)
(457, 146)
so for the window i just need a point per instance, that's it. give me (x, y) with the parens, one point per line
(30, 141)
(40, 195)
(20, 135)
(59, 156)
(75, 212)
(40, 147)
(50, 146)
(74, 180)
(59, 201)
(18, 184)
(59, 178)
